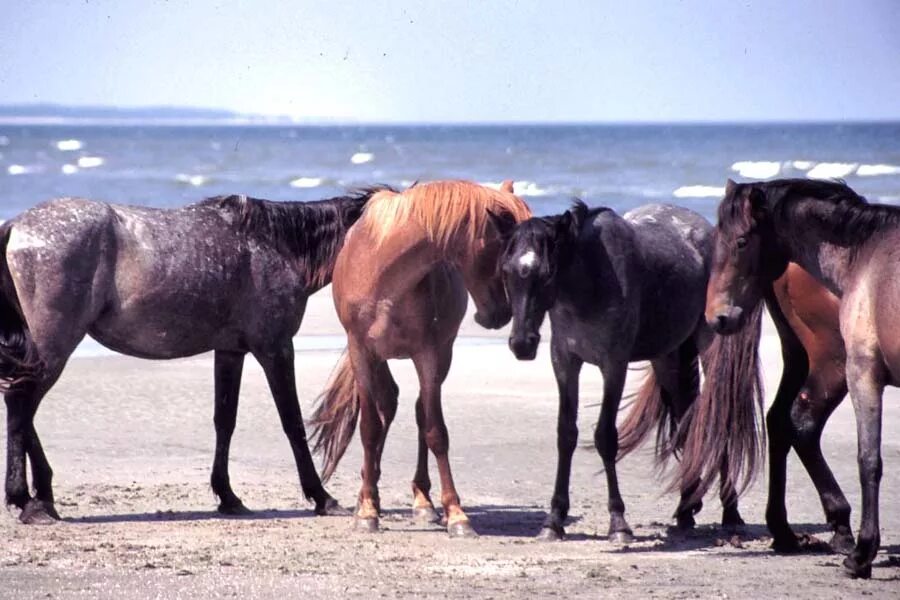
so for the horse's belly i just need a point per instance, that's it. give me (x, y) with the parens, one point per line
(162, 335)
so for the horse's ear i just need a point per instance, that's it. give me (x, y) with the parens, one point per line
(756, 200)
(504, 222)
(730, 186)
(565, 226)
(507, 186)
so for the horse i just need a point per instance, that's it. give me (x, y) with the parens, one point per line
(230, 274)
(813, 384)
(399, 287)
(629, 288)
(849, 246)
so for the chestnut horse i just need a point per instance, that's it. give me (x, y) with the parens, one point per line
(849, 246)
(400, 290)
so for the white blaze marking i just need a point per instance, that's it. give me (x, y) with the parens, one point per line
(528, 259)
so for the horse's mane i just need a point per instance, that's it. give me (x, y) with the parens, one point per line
(311, 232)
(446, 210)
(847, 216)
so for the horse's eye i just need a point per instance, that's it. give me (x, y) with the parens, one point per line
(741, 243)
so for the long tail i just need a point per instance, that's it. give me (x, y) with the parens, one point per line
(653, 406)
(334, 417)
(724, 425)
(648, 409)
(18, 355)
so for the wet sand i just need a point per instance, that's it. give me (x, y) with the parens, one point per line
(131, 444)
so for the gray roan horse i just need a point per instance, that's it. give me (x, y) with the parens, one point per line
(230, 274)
(627, 289)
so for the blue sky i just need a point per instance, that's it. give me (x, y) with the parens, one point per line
(449, 61)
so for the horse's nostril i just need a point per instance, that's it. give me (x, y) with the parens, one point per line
(722, 321)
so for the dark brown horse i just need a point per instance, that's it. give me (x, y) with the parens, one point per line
(850, 247)
(231, 274)
(400, 290)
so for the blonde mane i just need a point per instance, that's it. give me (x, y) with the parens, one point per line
(446, 210)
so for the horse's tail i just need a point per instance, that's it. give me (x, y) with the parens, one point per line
(647, 409)
(18, 354)
(722, 434)
(334, 418)
(653, 406)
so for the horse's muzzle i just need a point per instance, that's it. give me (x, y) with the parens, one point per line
(493, 320)
(524, 346)
(726, 321)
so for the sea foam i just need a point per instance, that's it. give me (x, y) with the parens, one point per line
(306, 182)
(194, 180)
(831, 170)
(361, 158)
(872, 170)
(89, 162)
(699, 191)
(757, 169)
(69, 145)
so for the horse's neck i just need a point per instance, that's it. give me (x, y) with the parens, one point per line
(324, 233)
(806, 245)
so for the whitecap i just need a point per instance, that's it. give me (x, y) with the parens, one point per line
(17, 169)
(89, 162)
(879, 169)
(699, 191)
(757, 169)
(69, 169)
(361, 158)
(306, 182)
(69, 145)
(802, 165)
(194, 180)
(520, 188)
(833, 170)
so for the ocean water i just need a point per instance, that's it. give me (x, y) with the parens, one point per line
(617, 166)
(620, 166)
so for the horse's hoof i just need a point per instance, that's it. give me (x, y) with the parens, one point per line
(685, 523)
(733, 523)
(856, 570)
(552, 533)
(38, 512)
(366, 525)
(842, 543)
(462, 529)
(425, 515)
(331, 508)
(621, 537)
(786, 544)
(234, 509)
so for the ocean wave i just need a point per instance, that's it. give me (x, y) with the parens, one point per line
(307, 182)
(194, 180)
(69, 145)
(23, 169)
(757, 169)
(89, 162)
(361, 158)
(879, 169)
(802, 165)
(699, 191)
(520, 188)
(831, 170)
(69, 169)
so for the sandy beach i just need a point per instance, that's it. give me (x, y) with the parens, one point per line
(131, 444)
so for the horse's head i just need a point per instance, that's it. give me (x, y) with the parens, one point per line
(745, 260)
(530, 265)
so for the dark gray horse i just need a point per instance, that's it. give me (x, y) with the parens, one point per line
(633, 288)
(230, 274)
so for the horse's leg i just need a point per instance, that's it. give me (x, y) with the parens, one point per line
(865, 378)
(432, 366)
(22, 402)
(278, 364)
(228, 369)
(811, 411)
(373, 381)
(567, 368)
(423, 508)
(606, 441)
(731, 516)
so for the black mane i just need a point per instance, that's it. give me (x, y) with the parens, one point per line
(311, 232)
